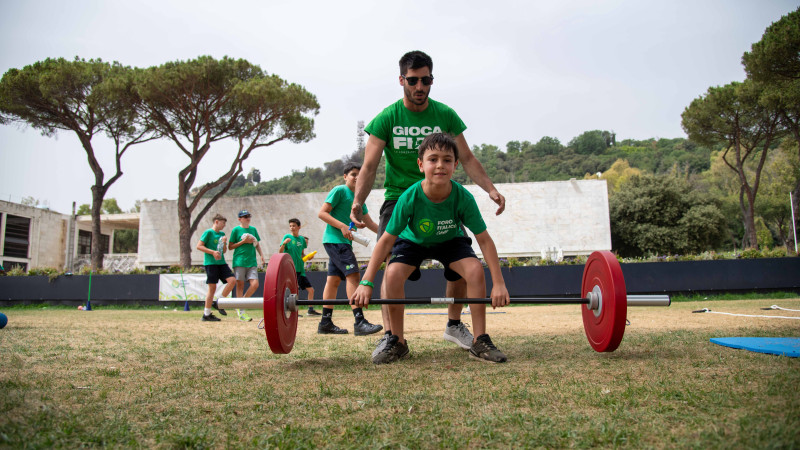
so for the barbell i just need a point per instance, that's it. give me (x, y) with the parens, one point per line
(605, 302)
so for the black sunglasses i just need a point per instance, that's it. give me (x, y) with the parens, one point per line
(412, 81)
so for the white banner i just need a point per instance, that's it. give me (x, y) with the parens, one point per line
(189, 286)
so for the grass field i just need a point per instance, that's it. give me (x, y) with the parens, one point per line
(154, 378)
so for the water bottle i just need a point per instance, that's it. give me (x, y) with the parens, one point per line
(358, 237)
(221, 244)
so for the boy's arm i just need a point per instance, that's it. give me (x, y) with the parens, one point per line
(477, 173)
(370, 223)
(363, 293)
(499, 294)
(366, 177)
(202, 247)
(325, 215)
(283, 244)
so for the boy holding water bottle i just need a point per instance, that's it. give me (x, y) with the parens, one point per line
(337, 241)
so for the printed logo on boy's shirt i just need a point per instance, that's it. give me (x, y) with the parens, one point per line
(425, 226)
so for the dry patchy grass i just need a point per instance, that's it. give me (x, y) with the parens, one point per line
(164, 379)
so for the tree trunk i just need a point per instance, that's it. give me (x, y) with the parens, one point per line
(185, 231)
(97, 207)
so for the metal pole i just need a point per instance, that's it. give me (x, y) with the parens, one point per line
(258, 303)
(794, 226)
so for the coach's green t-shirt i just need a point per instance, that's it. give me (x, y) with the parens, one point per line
(211, 239)
(426, 223)
(341, 200)
(403, 132)
(295, 250)
(245, 254)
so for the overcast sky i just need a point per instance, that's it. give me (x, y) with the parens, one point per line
(512, 70)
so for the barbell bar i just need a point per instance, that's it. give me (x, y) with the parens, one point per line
(604, 312)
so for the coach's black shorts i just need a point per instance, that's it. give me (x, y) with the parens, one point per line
(447, 252)
(217, 272)
(302, 282)
(342, 261)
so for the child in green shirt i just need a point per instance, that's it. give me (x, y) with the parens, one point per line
(426, 224)
(244, 243)
(214, 244)
(295, 246)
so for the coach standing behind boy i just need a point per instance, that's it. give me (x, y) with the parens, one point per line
(398, 131)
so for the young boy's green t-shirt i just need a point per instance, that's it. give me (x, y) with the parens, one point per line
(244, 255)
(295, 249)
(417, 219)
(403, 132)
(341, 200)
(211, 239)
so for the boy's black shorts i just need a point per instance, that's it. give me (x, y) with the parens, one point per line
(302, 282)
(217, 272)
(447, 252)
(386, 213)
(342, 261)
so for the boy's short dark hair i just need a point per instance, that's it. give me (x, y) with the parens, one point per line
(219, 217)
(293, 220)
(415, 60)
(442, 140)
(350, 167)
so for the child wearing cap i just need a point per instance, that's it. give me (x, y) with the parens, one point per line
(244, 243)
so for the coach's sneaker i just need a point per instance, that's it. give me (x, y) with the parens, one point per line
(243, 316)
(210, 318)
(459, 335)
(364, 328)
(393, 351)
(221, 311)
(327, 327)
(484, 350)
(380, 345)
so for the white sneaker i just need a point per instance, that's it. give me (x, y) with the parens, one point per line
(459, 335)
(380, 345)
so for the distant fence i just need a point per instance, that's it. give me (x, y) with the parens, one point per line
(743, 275)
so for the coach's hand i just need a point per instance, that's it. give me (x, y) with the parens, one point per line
(361, 296)
(498, 198)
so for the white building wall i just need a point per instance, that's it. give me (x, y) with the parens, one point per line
(47, 238)
(571, 216)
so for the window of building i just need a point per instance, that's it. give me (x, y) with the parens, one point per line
(85, 243)
(17, 236)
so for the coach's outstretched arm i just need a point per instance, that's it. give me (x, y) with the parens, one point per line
(477, 173)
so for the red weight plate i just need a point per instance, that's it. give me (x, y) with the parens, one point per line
(605, 329)
(280, 328)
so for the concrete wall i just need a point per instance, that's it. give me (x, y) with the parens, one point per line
(569, 215)
(47, 238)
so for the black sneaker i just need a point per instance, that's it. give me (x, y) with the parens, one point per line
(364, 328)
(329, 328)
(484, 350)
(210, 318)
(393, 351)
(313, 312)
(221, 311)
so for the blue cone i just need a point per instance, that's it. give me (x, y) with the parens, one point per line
(186, 306)
(88, 305)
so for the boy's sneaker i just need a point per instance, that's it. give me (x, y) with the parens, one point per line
(243, 316)
(484, 350)
(210, 318)
(380, 345)
(221, 311)
(313, 312)
(364, 328)
(393, 351)
(329, 328)
(460, 335)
